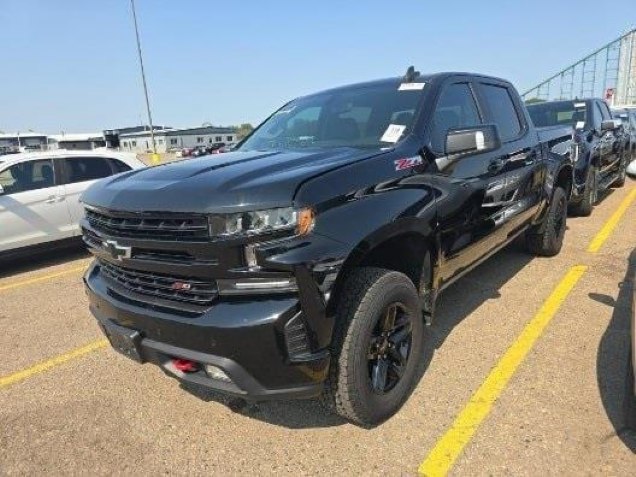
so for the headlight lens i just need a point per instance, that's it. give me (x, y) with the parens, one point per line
(264, 221)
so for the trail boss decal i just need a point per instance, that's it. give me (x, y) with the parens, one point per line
(407, 163)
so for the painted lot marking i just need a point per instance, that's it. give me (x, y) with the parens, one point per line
(448, 448)
(42, 278)
(44, 366)
(611, 223)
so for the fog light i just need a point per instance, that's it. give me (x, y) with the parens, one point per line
(217, 373)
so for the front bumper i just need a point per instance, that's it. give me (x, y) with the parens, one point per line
(243, 337)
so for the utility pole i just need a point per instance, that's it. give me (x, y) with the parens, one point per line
(155, 157)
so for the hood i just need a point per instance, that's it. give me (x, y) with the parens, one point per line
(230, 182)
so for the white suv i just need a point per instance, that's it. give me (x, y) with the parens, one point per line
(39, 194)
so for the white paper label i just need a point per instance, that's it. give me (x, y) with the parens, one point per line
(479, 140)
(579, 105)
(580, 124)
(393, 133)
(411, 86)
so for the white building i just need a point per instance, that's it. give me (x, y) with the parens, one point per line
(173, 139)
(29, 141)
(77, 141)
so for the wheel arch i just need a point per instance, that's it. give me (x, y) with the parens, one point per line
(403, 251)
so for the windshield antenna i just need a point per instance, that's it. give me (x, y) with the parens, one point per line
(411, 74)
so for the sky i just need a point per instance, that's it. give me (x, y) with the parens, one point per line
(71, 65)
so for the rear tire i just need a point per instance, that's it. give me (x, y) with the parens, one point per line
(590, 194)
(546, 239)
(371, 376)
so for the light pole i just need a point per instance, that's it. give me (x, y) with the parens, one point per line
(155, 157)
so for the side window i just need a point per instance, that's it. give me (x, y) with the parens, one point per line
(503, 111)
(119, 166)
(456, 108)
(80, 169)
(605, 111)
(31, 175)
(598, 115)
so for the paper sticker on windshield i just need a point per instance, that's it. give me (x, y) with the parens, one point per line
(579, 105)
(411, 86)
(393, 133)
(285, 111)
(407, 163)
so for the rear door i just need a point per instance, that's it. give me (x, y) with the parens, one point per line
(610, 144)
(519, 157)
(32, 208)
(471, 186)
(80, 172)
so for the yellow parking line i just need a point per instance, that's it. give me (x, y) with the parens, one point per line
(42, 278)
(442, 457)
(611, 224)
(43, 366)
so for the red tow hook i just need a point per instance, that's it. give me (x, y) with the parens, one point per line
(185, 365)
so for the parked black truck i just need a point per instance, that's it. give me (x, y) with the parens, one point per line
(600, 158)
(307, 262)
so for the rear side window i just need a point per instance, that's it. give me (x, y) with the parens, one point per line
(456, 108)
(502, 110)
(119, 166)
(31, 175)
(80, 169)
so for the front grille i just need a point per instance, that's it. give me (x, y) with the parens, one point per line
(165, 287)
(94, 241)
(153, 226)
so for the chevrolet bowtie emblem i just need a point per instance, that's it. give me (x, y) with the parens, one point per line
(118, 252)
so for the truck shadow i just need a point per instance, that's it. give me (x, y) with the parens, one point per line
(613, 357)
(455, 304)
(36, 261)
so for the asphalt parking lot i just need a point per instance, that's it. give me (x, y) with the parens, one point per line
(527, 377)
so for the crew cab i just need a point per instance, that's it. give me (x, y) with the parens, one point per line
(39, 195)
(307, 261)
(600, 158)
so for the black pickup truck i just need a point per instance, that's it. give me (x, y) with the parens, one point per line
(307, 262)
(600, 158)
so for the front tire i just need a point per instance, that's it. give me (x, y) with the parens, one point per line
(546, 239)
(377, 347)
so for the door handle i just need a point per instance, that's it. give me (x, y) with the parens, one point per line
(51, 200)
(495, 165)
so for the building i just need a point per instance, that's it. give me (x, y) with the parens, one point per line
(173, 139)
(80, 142)
(111, 136)
(20, 142)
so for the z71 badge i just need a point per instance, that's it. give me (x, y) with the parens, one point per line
(407, 163)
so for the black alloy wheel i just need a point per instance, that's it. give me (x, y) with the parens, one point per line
(389, 348)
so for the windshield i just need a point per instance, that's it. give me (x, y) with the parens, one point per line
(364, 116)
(557, 113)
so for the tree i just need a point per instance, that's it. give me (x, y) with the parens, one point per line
(535, 100)
(244, 129)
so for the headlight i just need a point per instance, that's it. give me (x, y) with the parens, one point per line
(263, 221)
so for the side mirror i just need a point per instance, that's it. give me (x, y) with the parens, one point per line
(472, 140)
(610, 125)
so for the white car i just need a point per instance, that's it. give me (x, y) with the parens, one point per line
(39, 195)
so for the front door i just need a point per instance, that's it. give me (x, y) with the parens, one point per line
(471, 188)
(32, 207)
